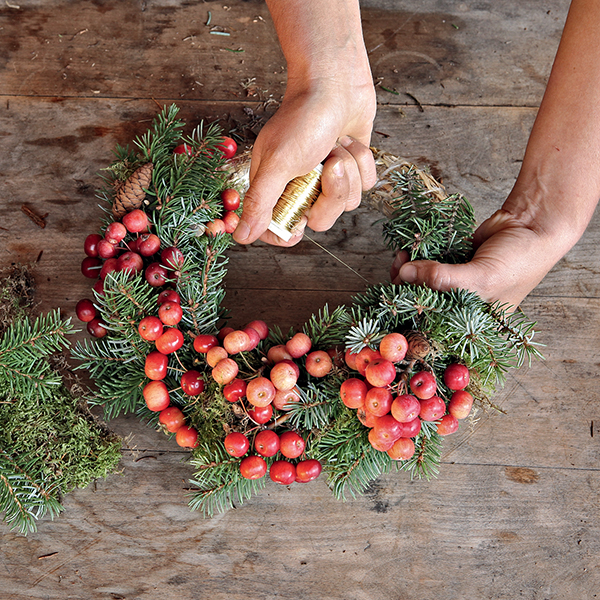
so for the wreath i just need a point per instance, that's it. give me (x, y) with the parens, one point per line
(359, 391)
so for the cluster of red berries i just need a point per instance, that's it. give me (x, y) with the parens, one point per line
(384, 404)
(261, 395)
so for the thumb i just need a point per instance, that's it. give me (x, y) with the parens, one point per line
(265, 189)
(444, 277)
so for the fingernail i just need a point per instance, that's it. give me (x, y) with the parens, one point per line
(338, 169)
(345, 141)
(242, 231)
(408, 273)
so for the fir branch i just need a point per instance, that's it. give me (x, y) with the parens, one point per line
(219, 482)
(326, 329)
(24, 498)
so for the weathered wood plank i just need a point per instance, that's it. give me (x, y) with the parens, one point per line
(492, 532)
(435, 52)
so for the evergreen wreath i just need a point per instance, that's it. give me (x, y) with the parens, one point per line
(361, 390)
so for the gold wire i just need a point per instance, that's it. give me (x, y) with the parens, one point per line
(299, 195)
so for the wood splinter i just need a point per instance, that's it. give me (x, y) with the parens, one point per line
(39, 220)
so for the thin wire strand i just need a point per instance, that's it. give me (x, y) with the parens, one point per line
(336, 258)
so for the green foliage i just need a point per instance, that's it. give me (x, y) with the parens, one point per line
(49, 443)
(424, 225)
(219, 483)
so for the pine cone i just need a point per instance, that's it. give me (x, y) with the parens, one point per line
(418, 345)
(131, 193)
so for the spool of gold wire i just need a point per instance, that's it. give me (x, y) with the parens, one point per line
(299, 195)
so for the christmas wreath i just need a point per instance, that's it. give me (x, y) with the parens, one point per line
(359, 391)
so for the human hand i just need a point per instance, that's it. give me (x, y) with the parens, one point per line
(511, 258)
(328, 123)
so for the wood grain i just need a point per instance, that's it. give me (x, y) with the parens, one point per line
(512, 513)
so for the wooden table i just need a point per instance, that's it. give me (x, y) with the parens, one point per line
(514, 511)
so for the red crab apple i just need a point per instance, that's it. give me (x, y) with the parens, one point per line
(223, 332)
(380, 372)
(90, 245)
(170, 313)
(260, 391)
(204, 342)
(150, 328)
(261, 414)
(236, 444)
(402, 449)
(225, 371)
(90, 267)
(253, 467)
(405, 408)
(285, 400)
(460, 404)
(261, 327)
(228, 147)
(187, 437)
(136, 221)
(283, 375)
(278, 353)
(192, 383)
(266, 442)
(353, 392)
(230, 220)
(231, 199)
(96, 328)
(380, 442)
(183, 149)
(298, 345)
(253, 336)
(236, 341)
(387, 427)
(109, 266)
(115, 233)
(172, 418)
(308, 470)
(156, 275)
(98, 287)
(234, 390)
(282, 472)
(412, 428)
(378, 401)
(106, 249)
(291, 444)
(148, 244)
(156, 396)
(432, 409)
(393, 347)
(367, 418)
(172, 258)
(423, 384)
(168, 296)
(215, 227)
(456, 376)
(131, 262)
(364, 357)
(170, 341)
(215, 355)
(318, 363)
(350, 359)
(447, 425)
(155, 366)
(85, 310)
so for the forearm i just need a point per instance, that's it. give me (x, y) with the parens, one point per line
(321, 41)
(559, 183)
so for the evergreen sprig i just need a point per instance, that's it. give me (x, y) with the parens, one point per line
(218, 481)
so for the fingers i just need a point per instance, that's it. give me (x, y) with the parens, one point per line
(348, 170)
